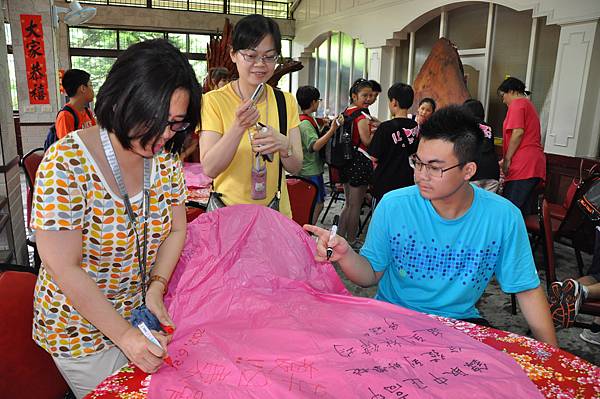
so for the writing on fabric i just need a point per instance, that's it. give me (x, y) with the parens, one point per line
(269, 321)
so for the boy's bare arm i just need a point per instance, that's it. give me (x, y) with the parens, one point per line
(535, 308)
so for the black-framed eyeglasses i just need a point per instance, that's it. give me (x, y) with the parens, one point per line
(431, 170)
(253, 58)
(178, 126)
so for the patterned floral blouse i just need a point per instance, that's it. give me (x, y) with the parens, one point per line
(71, 194)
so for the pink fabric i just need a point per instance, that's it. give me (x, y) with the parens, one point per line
(257, 317)
(194, 175)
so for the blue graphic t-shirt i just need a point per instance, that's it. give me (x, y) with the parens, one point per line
(440, 266)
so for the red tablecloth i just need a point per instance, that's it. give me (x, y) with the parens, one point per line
(558, 374)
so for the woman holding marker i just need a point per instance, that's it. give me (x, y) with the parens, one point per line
(110, 220)
(231, 144)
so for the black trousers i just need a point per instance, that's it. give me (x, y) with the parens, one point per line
(522, 194)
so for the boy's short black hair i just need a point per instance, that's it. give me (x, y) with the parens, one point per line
(306, 95)
(74, 78)
(475, 107)
(513, 84)
(429, 100)
(251, 30)
(375, 85)
(457, 126)
(134, 100)
(402, 93)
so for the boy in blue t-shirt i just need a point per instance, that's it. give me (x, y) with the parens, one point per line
(433, 247)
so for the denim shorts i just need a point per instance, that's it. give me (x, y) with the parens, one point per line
(318, 180)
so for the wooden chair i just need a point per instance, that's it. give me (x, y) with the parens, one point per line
(27, 370)
(30, 163)
(591, 307)
(303, 198)
(572, 230)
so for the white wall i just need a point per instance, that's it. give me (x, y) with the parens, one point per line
(375, 21)
(380, 23)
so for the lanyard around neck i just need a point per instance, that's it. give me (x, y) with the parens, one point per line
(116, 171)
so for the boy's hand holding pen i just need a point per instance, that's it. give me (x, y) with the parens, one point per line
(332, 235)
(330, 246)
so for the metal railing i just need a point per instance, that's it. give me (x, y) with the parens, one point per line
(274, 9)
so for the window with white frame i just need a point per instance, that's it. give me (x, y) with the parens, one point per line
(339, 61)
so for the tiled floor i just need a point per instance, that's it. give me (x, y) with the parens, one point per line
(495, 305)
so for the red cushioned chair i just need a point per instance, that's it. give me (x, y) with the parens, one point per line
(303, 198)
(335, 187)
(26, 370)
(591, 307)
(30, 163)
(572, 229)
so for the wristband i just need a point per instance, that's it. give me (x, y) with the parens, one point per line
(160, 279)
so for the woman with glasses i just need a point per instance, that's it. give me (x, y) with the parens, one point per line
(524, 163)
(356, 174)
(241, 145)
(110, 218)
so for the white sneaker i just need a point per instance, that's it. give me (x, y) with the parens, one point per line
(591, 337)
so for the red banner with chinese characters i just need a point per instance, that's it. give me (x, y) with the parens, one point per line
(35, 59)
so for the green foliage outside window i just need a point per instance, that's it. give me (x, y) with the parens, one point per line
(127, 38)
(104, 45)
(97, 67)
(93, 38)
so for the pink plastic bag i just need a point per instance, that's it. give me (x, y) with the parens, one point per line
(194, 175)
(257, 317)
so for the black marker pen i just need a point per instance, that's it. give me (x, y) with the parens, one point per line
(332, 234)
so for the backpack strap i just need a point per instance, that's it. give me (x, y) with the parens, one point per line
(282, 112)
(355, 114)
(72, 112)
(304, 117)
(89, 113)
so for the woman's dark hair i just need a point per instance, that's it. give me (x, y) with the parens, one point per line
(306, 95)
(251, 30)
(402, 93)
(217, 74)
(134, 100)
(429, 100)
(475, 108)
(457, 126)
(73, 79)
(375, 85)
(513, 84)
(358, 85)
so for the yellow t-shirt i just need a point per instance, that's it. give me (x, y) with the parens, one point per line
(218, 114)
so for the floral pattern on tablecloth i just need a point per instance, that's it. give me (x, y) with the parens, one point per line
(557, 374)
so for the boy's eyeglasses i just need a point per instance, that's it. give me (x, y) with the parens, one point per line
(431, 170)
